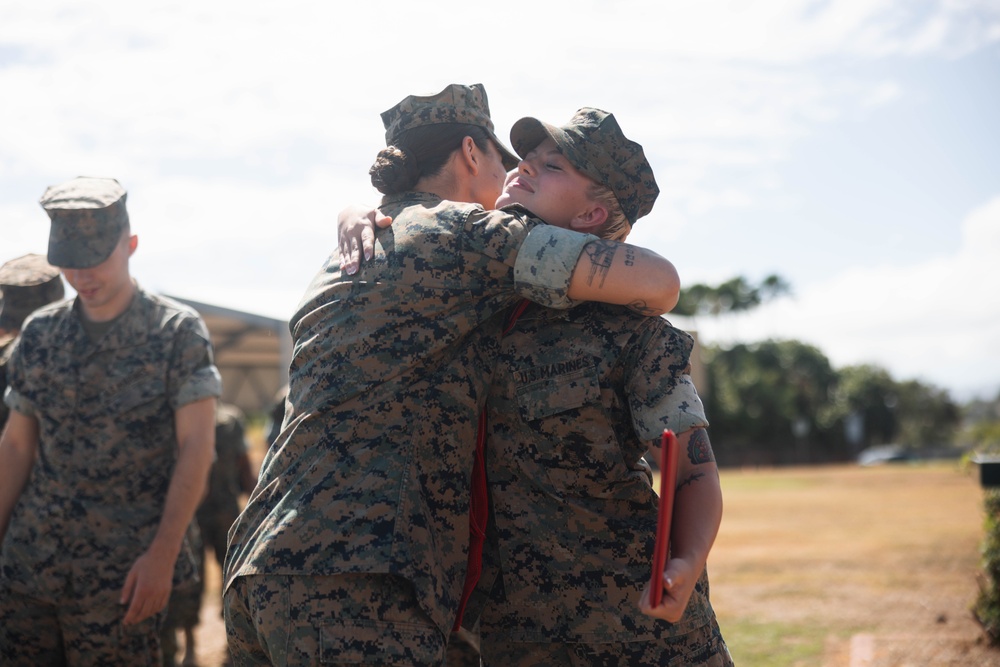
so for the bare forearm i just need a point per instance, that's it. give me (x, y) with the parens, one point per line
(187, 488)
(627, 275)
(196, 443)
(698, 500)
(697, 516)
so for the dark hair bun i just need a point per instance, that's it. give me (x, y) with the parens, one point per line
(394, 171)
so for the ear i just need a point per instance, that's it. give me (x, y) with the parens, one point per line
(589, 220)
(133, 243)
(470, 156)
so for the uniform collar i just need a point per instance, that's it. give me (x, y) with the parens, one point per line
(128, 330)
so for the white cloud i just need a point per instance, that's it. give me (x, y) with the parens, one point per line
(241, 128)
(937, 320)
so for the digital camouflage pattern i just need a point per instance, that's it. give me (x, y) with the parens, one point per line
(85, 631)
(576, 399)
(390, 367)
(106, 444)
(594, 143)
(455, 104)
(313, 620)
(703, 647)
(87, 218)
(26, 284)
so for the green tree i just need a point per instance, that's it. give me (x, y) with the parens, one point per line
(766, 400)
(733, 296)
(864, 407)
(927, 416)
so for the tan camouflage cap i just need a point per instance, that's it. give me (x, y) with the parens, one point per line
(27, 284)
(88, 216)
(457, 103)
(593, 142)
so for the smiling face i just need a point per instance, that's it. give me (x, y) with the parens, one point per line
(549, 186)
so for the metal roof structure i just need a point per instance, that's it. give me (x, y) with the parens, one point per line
(252, 353)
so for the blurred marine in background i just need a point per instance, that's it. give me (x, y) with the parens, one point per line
(26, 284)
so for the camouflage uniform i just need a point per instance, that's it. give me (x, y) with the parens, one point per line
(576, 399)
(106, 451)
(390, 367)
(26, 284)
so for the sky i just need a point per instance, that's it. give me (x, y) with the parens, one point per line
(851, 147)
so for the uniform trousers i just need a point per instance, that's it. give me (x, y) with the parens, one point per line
(347, 619)
(79, 632)
(703, 647)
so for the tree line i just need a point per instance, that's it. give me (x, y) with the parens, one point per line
(779, 402)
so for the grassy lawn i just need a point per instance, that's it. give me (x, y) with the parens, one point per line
(809, 557)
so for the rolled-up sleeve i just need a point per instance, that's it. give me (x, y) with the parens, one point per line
(661, 393)
(193, 372)
(545, 264)
(15, 397)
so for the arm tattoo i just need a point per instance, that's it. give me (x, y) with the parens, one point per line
(699, 448)
(601, 254)
(690, 479)
(629, 256)
(642, 308)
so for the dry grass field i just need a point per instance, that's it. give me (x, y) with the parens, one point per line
(831, 567)
(849, 566)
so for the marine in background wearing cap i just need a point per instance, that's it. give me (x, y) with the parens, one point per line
(578, 398)
(26, 284)
(360, 520)
(106, 451)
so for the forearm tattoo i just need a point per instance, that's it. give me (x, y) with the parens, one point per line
(601, 254)
(690, 479)
(699, 448)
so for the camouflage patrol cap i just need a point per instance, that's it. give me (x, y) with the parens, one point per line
(27, 284)
(457, 103)
(593, 142)
(88, 216)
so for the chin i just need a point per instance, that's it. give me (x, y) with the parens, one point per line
(506, 200)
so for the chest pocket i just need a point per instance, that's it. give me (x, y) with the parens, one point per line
(555, 388)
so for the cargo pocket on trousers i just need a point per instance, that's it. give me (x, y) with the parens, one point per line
(379, 642)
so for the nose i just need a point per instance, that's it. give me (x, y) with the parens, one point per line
(525, 167)
(77, 276)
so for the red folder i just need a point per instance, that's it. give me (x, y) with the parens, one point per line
(668, 483)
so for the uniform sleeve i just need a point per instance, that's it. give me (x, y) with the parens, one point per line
(193, 375)
(16, 396)
(545, 264)
(661, 393)
(542, 256)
